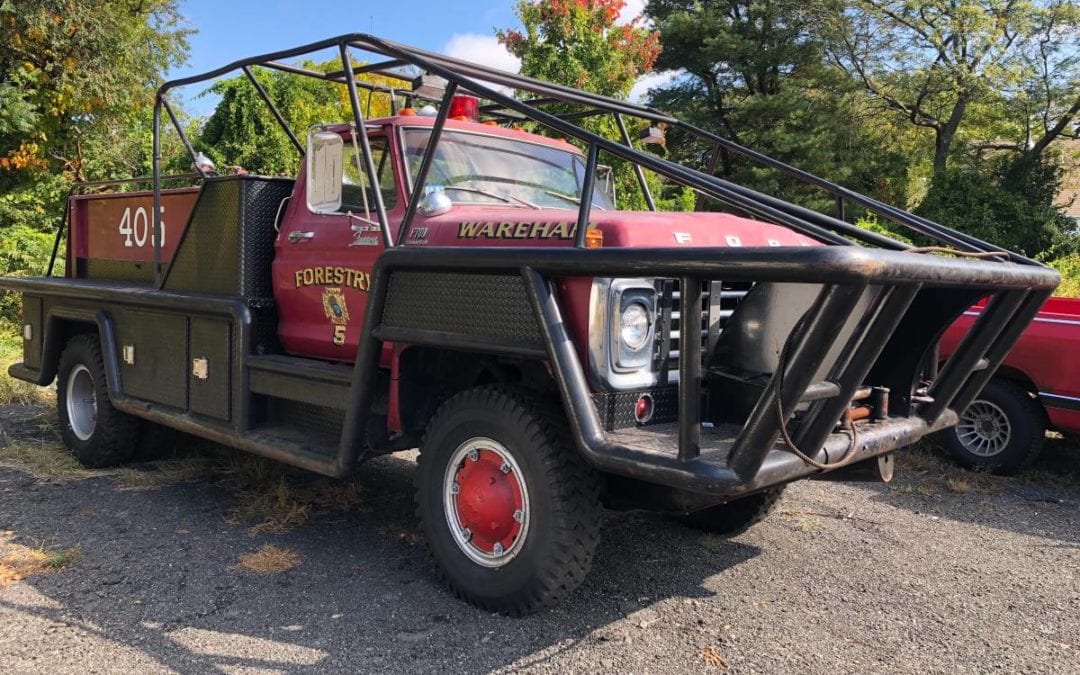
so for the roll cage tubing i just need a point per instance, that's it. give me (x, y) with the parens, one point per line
(471, 77)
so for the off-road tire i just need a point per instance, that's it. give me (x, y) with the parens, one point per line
(114, 433)
(1026, 435)
(737, 516)
(564, 503)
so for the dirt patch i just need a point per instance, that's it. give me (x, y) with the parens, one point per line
(269, 559)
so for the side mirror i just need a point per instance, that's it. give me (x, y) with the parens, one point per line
(434, 202)
(324, 171)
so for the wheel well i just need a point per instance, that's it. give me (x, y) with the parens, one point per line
(1017, 377)
(427, 376)
(59, 333)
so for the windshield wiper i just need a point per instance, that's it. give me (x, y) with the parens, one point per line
(502, 198)
(572, 199)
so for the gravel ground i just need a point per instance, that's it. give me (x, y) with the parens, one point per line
(846, 576)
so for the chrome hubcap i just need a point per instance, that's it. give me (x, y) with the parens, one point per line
(81, 402)
(486, 502)
(984, 429)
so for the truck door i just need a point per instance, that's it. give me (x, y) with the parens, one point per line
(324, 256)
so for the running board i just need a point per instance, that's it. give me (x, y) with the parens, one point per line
(299, 379)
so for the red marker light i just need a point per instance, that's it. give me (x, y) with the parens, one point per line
(465, 108)
(643, 409)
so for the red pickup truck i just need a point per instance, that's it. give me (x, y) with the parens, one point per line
(1037, 387)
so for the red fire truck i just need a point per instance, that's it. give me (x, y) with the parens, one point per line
(457, 277)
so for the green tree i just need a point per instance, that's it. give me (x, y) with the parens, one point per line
(1005, 202)
(1010, 64)
(243, 132)
(756, 72)
(76, 86)
(581, 44)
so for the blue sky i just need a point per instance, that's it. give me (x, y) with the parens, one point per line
(233, 29)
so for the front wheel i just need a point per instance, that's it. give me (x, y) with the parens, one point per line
(510, 511)
(97, 434)
(1003, 430)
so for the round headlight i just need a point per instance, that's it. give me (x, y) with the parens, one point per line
(634, 326)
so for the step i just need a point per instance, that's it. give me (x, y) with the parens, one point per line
(295, 378)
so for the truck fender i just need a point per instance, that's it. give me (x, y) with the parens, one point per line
(61, 323)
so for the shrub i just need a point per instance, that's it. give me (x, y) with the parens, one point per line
(1009, 204)
(1069, 267)
(24, 251)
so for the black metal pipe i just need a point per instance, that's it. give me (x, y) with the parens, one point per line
(999, 350)
(716, 188)
(690, 368)
(972, 348)
(183, 137)
(156, 168)
(911, 221)
(365, 373)
(585, 207)
(365, 146)
(261, 91)
(860, 353)
(811, 264)
(638, 171)
(426, 162)
(808, 345)
(60, 230)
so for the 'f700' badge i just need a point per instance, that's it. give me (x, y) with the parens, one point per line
(333, 301)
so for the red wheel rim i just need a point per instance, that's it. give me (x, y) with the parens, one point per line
(487, 503)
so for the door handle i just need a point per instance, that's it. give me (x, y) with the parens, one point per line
(297, 237)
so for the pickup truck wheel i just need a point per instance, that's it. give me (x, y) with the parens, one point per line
(1001, 431)
(97, 434)
(738, 515)
(509, 509)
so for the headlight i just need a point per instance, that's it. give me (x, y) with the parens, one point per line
(634, 326)
(622, 332)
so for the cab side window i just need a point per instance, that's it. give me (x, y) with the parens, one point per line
(357, 189)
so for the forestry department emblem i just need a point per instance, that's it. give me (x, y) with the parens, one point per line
(337, 311)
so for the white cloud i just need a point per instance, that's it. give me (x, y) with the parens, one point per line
(652, 81)
(482, 49)
(631, 10)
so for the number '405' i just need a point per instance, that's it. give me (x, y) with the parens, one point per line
(137, 229)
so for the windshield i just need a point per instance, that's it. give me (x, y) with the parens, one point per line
(482, 169)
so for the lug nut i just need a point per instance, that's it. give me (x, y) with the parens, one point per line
(505, 468)
(498, 549)
(519, 515)
(454, 488)
(474, 455)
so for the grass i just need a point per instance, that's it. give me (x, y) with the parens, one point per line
(925, 470)
(273, 498)
(12, 391)
(269, 559)
(18, 562)
(45, 459)
(712, 657)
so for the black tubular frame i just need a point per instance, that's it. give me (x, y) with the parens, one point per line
(866, 280)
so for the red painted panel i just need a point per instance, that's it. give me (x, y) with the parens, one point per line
(120, 227)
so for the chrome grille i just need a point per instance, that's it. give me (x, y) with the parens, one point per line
(719, 299)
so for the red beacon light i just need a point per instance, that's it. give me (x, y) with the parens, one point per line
(465, 108)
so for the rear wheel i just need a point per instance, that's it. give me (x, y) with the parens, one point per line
(736, 516)
(510, 511)
(1003, 430)
(97, 434)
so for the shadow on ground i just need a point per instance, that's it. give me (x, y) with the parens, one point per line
(1044, 499)
(157, 578)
